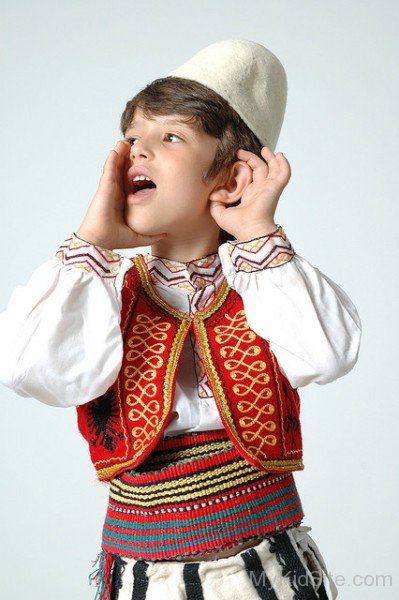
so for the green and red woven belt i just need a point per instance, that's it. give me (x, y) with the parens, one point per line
(195, 494)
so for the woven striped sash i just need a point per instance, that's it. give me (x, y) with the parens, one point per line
(195, 494)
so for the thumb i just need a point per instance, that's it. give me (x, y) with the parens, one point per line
(217, 209)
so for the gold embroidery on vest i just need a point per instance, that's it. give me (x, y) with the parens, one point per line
(234, 339)
(141, 391)
(171, 366)
(220, 398)
(217, 388)
(175, 351)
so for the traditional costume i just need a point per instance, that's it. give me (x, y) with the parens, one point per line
(185, 380)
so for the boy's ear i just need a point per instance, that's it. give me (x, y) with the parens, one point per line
(238, 177)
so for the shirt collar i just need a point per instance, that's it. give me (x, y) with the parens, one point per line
(188, 276)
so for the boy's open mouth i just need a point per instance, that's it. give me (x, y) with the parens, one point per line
(139, 184)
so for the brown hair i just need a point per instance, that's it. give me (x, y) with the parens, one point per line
(204, 109)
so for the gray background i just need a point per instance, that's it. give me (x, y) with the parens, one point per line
(67, 70)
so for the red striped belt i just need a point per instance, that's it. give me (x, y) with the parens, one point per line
(195, 494)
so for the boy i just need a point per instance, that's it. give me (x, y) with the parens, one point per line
(184, 363)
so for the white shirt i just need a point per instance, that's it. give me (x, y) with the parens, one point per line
(60, 337)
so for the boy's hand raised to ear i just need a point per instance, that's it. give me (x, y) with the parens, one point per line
(254, 215)
(104, 223)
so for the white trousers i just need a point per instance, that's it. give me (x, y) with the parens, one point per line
(287, 566)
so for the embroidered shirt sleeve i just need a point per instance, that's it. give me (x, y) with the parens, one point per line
(311, 324)
(271, 250)
(61, 339)
(89, 257)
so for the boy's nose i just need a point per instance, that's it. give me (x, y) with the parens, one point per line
(139, 149)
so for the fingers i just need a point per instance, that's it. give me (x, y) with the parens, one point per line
(116, 157)
(217, 208)
(120, 151)
(254, 161)
(275, 166)
(278, 164)
(122, 147)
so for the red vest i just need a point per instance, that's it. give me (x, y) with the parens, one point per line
(259, 408)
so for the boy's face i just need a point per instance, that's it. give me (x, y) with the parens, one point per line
(174, 155)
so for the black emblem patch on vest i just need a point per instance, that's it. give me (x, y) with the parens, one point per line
(102, 421)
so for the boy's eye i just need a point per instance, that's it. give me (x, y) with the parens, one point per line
(132, 139)
(173, 135)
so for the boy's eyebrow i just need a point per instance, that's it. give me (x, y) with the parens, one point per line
(135, 123)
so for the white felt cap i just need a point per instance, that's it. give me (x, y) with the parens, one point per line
(249, 77)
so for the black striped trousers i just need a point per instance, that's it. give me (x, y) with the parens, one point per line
(287, 566)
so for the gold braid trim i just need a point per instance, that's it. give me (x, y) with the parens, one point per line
(275, 367)
(198, 322)
(241, 466)
(108, 472)
(179, 495)
(183, 455)
(171, 367)
(277, 465)
(101, 473)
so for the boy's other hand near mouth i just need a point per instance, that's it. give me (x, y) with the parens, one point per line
(104, 223)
